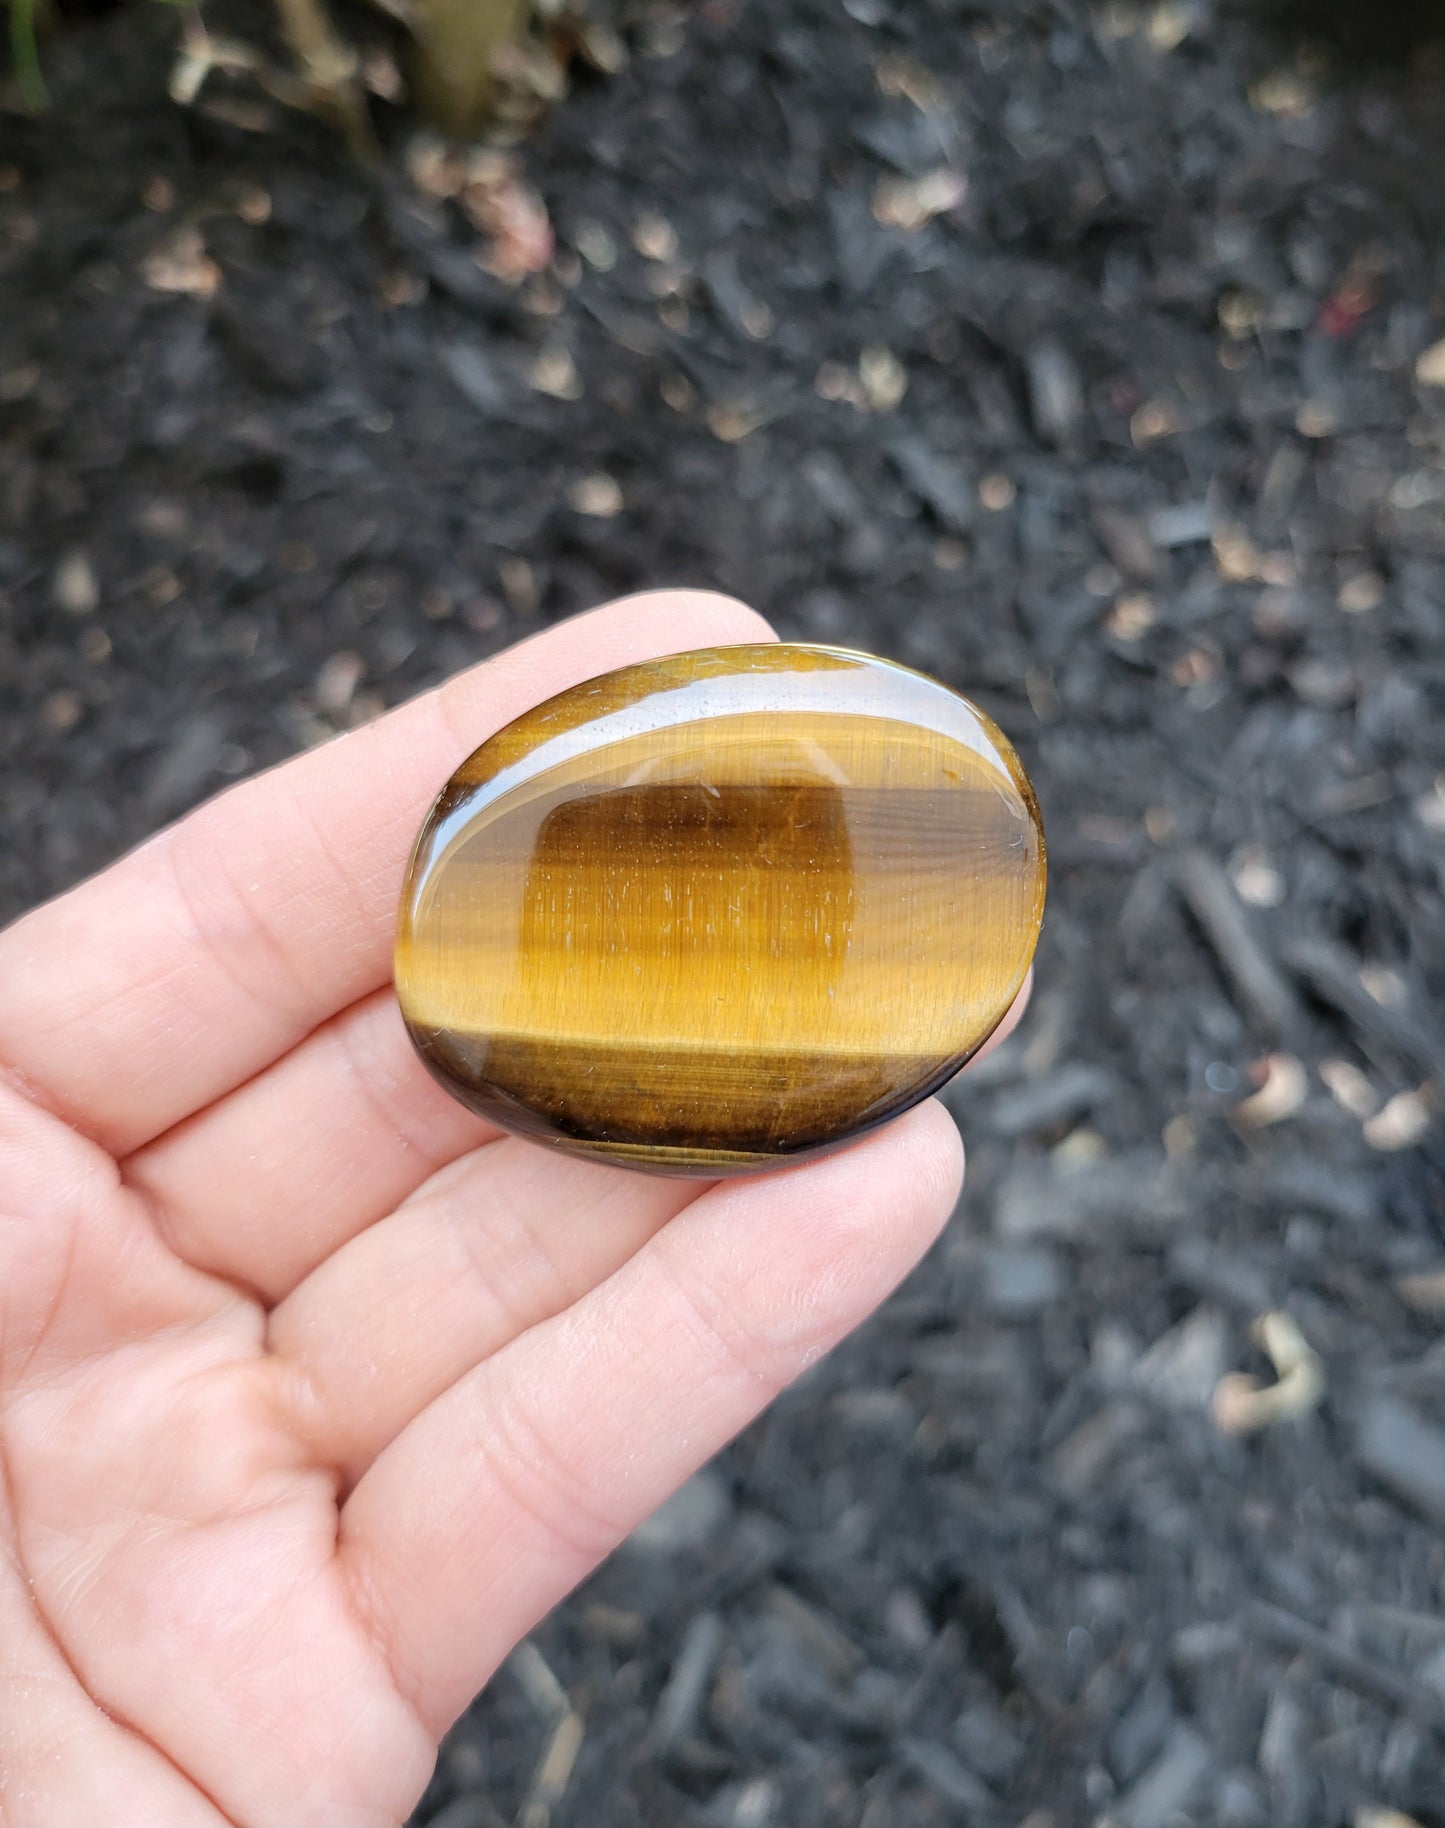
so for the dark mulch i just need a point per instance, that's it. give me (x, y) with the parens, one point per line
(1166, 492)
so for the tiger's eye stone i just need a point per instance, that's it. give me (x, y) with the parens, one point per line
(715, 912)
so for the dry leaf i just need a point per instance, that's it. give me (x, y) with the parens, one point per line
(599, 495)
(1243, 1406)
(555, 373)
(182, 265)
(1401, 1123)
(510, 214)
(1282, 1090)
(884, 379)
(1430, 368)
(909, 203)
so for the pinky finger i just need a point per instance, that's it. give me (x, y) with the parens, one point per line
(503, 1494)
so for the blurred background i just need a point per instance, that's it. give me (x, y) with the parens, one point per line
(1090, 356)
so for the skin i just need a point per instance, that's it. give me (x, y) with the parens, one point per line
(316, 1393)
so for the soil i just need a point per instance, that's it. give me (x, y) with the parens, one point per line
(1091, 359)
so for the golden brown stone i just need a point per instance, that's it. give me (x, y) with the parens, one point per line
(715, 912)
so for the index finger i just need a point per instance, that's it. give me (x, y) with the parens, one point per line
(143, 995)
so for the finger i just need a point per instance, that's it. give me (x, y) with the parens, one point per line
(352, 1124)
(183, 1552)
(514, 1236)
(477, 1254)
(63, 1760)
(145, 994)
(517, 1481)
(82, 1272)
(509, 1237)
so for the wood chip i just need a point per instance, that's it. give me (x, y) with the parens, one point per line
(337, 681)
(1405, 1451)
(1430, 807)
(538, 1681)
(1182, 1368)
(1343, 1663)
(596, 246)
(553, 1774)
(683, 1697)
(1166, 1786)
(1343, 980)
(61, 712)
(519, 585)
(1424, 1292)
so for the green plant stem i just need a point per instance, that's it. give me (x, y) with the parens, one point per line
(456, 41)
(25, 54)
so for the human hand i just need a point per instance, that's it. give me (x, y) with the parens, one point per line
(316, 1393)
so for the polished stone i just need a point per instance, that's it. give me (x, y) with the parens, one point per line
(713, 913)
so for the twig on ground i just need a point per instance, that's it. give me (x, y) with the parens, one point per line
(1261, 984)
(1350, 1666)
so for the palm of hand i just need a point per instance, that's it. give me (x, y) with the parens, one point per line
(314, 1393)
(169, 1578)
